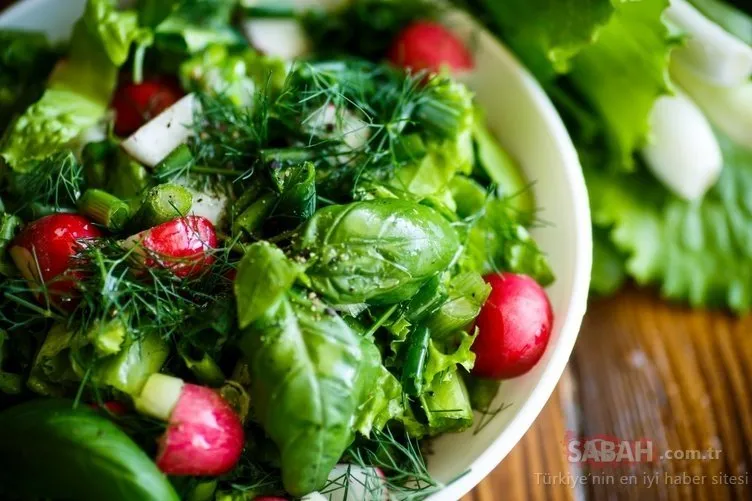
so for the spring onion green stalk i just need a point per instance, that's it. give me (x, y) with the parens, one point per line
(415, 361)
(105, 209)
(729, 108)
(164, 203)
(175, 164)
(251, 218)
(683, 152)
(710, 50)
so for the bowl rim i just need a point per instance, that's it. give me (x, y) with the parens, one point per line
(562, 349)
(500, 447)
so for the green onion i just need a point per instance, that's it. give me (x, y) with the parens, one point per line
(409, 148)
(251, 218)
(415, 361)
(163, 203)
(439, 117)
(177, 163)
(105, 209)
(294, 155)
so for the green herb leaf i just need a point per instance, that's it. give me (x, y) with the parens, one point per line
(375, 251)
(311, 373)
(700, 253)
(264, 276)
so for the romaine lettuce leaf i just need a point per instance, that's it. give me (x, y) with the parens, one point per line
(700, 253)
(194, 25)
(79, 89)
(624, 72)
(546, 34)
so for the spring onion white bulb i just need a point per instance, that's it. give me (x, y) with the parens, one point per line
(710, 50)
(278, 37)
(154, 140)
(729, 108)
(683, 152)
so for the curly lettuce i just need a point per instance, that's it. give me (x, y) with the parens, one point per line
(79, 89)
(698, 253)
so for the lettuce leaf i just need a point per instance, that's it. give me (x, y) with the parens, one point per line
(79, 90)
(700, 253)
(193, 25)
(545, 34)
(624, 72)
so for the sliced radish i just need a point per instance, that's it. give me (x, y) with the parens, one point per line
(135, 104)
(151, 143)
(514, 327)
(282, 38)
(683, 151)
(710, 50)
(44, 251)
(426, 45)
(204, 436)
(349, 481)
(183, 245)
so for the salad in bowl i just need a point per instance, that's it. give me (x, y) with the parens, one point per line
(247, 254)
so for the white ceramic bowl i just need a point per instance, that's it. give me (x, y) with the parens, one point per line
(527, 125)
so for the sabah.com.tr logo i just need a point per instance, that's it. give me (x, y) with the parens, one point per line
(608, 450)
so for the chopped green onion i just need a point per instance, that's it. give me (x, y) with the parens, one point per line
(164, 203)
(415, 361)
(202, 366)
(176, 164)
(251, 218)
(282, 155)
(409, 148)
(482, 392)
(105, 209)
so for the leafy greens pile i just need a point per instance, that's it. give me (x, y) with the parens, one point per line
(360, 207)
(605, 63)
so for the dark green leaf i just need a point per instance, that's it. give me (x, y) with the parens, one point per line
(376, 251)
(264, 276)
(311, 373)
(50, 449)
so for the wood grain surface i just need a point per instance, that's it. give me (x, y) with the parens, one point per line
(643, 369)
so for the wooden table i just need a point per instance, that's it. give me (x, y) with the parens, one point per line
(643, 369)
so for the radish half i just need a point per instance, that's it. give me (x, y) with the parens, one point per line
(152, 142)
(43, 252)
(204, 436)
(183, 245)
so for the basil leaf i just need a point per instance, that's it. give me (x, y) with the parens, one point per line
(264, 276)
(377, 251)
(311, 373)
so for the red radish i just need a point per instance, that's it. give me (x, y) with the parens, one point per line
(135, 104)
(426, 45)
(44, 251)
(514, 327)
(182, 245)
(113, 407)
(204, 435)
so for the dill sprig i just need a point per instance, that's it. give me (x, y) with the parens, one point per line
(55, 182)
(349, 117)
(150, 299)
(400, 458)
